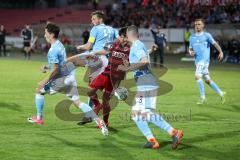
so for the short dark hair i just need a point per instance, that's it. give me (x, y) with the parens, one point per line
(133, 29)
(123, 31)
(200, 19)
(53, 29)
(99, 14)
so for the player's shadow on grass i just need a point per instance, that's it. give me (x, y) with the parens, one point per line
(106, 145)
(212, 136)
(66, 142)
(229, 108)
(235, 107)
(203, 117)
(119, 153)
(113, 130)
(11, 106)
(159, 70)
(181, 146)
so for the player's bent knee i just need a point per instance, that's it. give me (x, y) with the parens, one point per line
(38, 90)
(208, 81)
(70, 80)
(91, 91)
(197, 77)
(75, 98)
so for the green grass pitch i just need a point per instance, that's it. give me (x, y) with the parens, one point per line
(211, 131)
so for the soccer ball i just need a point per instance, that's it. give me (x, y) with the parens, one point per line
(121, 93)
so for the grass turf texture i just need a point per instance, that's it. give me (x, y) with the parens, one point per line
(212, 133)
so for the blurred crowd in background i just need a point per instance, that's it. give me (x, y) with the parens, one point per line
(171, 14)
(231, 50)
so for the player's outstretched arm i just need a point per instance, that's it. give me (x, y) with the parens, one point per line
(153, 32)
(102, 52)
(220, 56)
(143, 62)
(85, 47)
(76, 61)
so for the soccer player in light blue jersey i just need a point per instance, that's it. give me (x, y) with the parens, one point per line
(143, 110)
(59, 79)
(200, 48)
(100, 35)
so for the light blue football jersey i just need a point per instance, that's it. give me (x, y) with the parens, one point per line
(200, 43)
(57, 55)
(144, 78)
(100, 35)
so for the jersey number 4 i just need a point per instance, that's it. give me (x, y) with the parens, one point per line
(107, 34)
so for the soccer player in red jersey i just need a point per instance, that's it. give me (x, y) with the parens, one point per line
(110, 78)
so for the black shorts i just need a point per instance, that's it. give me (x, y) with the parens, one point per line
(26, 44)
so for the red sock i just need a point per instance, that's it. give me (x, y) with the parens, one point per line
(97, 104)
(106, 113)
(95, 101)
(97, 108)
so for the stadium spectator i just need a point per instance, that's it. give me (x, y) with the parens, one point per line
(2, 41)
(85, 35)
(145, 3)
(95, 4)
(137, 3)
(187, 35)
(230, 47)
(41, 4)
(65, 40)
(46, 48)
(161, 41)
(27, 35)
(115, 6)
(224, 43)
(124, 4)
(234, 48)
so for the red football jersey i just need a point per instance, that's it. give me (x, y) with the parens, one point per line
(117, 54)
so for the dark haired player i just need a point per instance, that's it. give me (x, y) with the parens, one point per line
(59, 79)
(110, 78)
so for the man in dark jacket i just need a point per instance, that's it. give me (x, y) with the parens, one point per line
(161, 41)
(2, 41)
(27, 35)
(85, 36)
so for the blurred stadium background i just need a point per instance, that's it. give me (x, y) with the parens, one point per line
(174, 16)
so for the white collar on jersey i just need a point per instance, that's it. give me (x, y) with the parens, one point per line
(199, 34)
